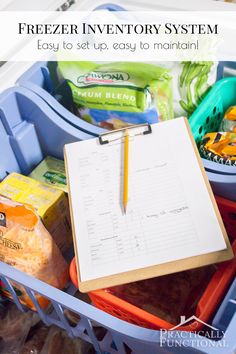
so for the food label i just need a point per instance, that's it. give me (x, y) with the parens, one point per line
(9, 243)
(54, 177)
(101, 77)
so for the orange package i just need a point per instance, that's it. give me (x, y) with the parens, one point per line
(27, 245)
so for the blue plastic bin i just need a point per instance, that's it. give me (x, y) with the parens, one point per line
(223, 185)
(209, 114)
(226, 310)
(31, 129)
(44, 79)
(226, 69)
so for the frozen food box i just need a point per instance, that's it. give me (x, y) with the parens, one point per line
(52, 172)
(50, 203)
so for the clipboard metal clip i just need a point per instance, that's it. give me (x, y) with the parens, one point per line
(148, 130)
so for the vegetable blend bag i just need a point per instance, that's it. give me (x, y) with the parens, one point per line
(114, 95)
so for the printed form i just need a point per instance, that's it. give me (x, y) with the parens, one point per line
(169, 216)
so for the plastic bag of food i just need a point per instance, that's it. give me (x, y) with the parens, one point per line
(14, 328)
(58, 341)
(219, 147)
(169, 296)
(114, 95)
(35, 339)
(27, 245)
(190, 83)
(228, 123)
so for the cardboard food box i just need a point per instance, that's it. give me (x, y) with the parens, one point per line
(52, 172)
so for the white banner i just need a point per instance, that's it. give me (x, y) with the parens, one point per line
(118, 36)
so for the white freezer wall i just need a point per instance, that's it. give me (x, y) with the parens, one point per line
(86, 5)
(32, 5)
(155, 5)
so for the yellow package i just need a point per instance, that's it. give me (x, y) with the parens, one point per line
(228, 123)
(51, 205)
(51, 171)
(27, 245)
(219, 147)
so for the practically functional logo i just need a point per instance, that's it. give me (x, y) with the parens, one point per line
(3, 219)
(209, 336)
(101, 77)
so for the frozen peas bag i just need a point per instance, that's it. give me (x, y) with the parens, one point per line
(114, 95)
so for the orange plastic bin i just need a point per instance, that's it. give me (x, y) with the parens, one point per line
(206, 307)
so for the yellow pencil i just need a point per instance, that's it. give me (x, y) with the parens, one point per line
(126, 171)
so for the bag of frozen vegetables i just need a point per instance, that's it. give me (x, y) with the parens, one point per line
(114, 95)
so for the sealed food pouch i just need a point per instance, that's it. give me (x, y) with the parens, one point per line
(191, 80)
(114, 95)
(228, 123)
(27, 245)
(194, 81)
(219, 147)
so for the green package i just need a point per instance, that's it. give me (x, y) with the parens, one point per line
(51, 171)
(113, 95)
(193, 84)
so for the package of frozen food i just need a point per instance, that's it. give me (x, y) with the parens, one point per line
(58, 341)
(219, 147)
(35, 339)
(191, 80)
(114, 95)
(228, 123)
(14, 328)
(50, 203)
(26, 244)
(52, 172)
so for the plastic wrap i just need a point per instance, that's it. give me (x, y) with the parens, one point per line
(58, 341)
(14, 328)
(228, 123)
(35, 339)
(219, 147)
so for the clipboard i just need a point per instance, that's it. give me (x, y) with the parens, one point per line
(158, 269)
(147, 129)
